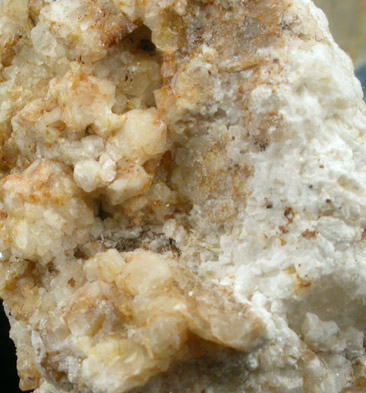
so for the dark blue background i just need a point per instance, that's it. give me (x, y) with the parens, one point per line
(361, 74)
(8, 376)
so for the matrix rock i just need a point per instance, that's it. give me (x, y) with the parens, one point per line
(182, 197)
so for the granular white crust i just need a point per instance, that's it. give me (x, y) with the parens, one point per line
(182, 197)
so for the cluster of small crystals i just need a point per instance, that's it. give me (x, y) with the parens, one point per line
(163, 308)
(74, 90)
(41, 213)
(80, 132)
(110, 322)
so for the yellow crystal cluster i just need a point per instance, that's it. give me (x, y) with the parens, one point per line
(84, 151)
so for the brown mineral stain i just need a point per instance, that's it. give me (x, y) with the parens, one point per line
(112, 34)
(361, 382)
(289, 214)
(283, 228)
(363, 237)
(300, 286)
(309, 234)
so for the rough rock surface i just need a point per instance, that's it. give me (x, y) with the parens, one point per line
(183, 197)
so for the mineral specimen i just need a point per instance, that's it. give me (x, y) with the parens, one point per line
(182, 197)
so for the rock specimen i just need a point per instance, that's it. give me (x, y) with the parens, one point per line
(183, 197)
